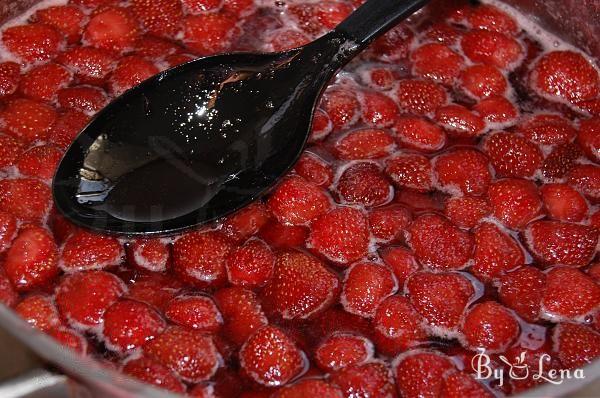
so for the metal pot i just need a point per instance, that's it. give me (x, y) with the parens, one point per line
(576, 21)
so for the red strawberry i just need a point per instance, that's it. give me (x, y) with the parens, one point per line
(153, 47)
(341, 350)
(85, 250)
(459, 121)
(8, 295)
(40, 161)
(462, 385)
(466, 211)
(512, 155)
(378, 77)
(491, 48)
(178, 59)
(130, 72)
(314, 169)
(514, 202)
(365, 286)
(570, 294)
(25, 198)
(365, 184)
(309, 388)
(155, 289)
(246, 222)
(68, 20)
(161, 18)
(420, 373)
(152, 372)
(439, 244)
(10, 150)
(548, 129)
(287, 39)
(150, 254)
(34, 42)
(394, 45)
(250, 265)
(564, 203)
(10, 76)
(210, 33)
(129, 324)
(495, 252)
(31, 261)
(83, 297)
(342, 107)
(462, 170)
(554, 242)
(397, 326)
(27, 119)
(92, 3)
(490, 326)
(436, 62)
(419, 134)
(561, 161)
(83, 98)
(39, 311)
(590, 107)
(488, 17)
(190, 354)
(378, 110)
(90, 65)
(341, 235)
(296, 201)
(201, 6)
(577, 345)
(321, 126)
(565, 75)
(586, 178)
(283, 236)
(8, 230)
(497, 110)
(66, 128)
(372, 379)
(589, 138)
(442, 33)
(196, 312)
(313, 19)
(69, 338)
(389, 223)
(441, 298)
(199, 258)
(336, 320)
(410, 171)
(301, 286)
(43, 82)
(242, 313)
(270, 357)
(420, 97)
(401, 261)
(113, 28)
(482, 81)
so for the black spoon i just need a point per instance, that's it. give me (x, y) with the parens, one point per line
(202, 140)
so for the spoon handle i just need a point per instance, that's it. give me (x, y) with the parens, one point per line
(376, 17)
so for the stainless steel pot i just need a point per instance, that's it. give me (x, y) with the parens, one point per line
(577, 21)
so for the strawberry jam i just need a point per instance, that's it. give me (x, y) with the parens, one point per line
(446, 206)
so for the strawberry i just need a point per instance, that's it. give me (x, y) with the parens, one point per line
(554, 242)
(512, 155)
(492, 48)
(335, 320)
(420, 373)
(314, 169)
(196, 312)
(155, 289)
(199, 258)
(152, 372)
(496, 252)
(419, 201)
(31, 261)
(372, 379)
(287, 39)
(130, 72)
(250, 265)
(283, 236)
(10, 150)
(86, 250)
(40, 161)
(68, 20)
(129, 324)
(482, 81)
(69, 338)
(341, 350)
(586, 179)
(401, 261)
(394, 45)
(301, 286)
(565, 75)
(10, 76)
(161, 18)
(561, 161)
(83, 297)
(60, 226)
(246, 222)
(514, 202)
(459, 121)
(389, 223)
(497, 110)
(313, 19)
(342, 107)
(398, 326)
(463, 385)
(200, 6)
(8, 295)
(153, 47)
(490, 326)
(378, 110)
(90, 65)
(242, 313)
(8, 230)
(82, 98)
(570, 294)
(564, 203)
(442, 33)
(365, 286)
(269, 357)
(420, 97)
(34, 42)
(378, 77)
(92, 3)
(439, 244)
(364, 184)
(466, 211)
(296, 201)
(25, 198)
(341, 235)
(441, 298)
(577, 345)
(436, 62)
(410, 171)
(66, 128)
(462, 170)
(38, 311)
(211, 33)
(27, 119)
(174, 60)
(192, 355)
(488, 17)
(309, 388)
(589, 138)
(42, 82)
(112, 28)
(419, 134)
(321, 126)
(548, 129)
(150, 254)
